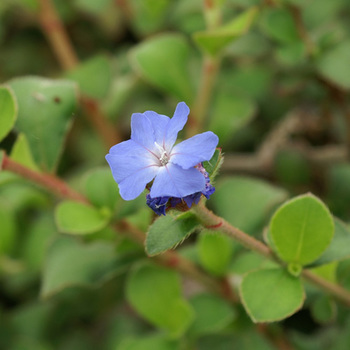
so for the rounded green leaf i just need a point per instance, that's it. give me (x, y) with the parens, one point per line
(45, 110)
(155, 293)
(78, 218)
(8, 111)
(301, 229)
(212, 314)
(215, 251)
(270, 295)
(71, 263)
(162, 60)
(169, 231)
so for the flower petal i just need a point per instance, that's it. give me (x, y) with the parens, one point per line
(177, 122)
(196, 149)
(142, 131)
(174, 181)
(159, 123)
(132, 167)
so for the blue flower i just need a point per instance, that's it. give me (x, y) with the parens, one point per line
(150, 154)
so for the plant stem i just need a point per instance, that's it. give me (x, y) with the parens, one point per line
(61, 45)
(214, 222)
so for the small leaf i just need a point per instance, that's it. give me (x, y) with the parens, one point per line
(270, 295)
(339, 249)
(45, 108)
(149, 342)
(212, 314)
(78, 218)
(333, 65)
(214, 40)
(162, 304)
(70, 263)
(215, 251)
(101, 189)
(301, 229)
(213, 165)
(324, 309)
(22, 154)
(94, 76)
(169, 231)
(246, 202)
(8, 111)
(162, 60)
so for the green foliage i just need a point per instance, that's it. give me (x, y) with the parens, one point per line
(78, 218)
(45, 109)
(271, 294)
(301, 229)
(8, 111)
(169, 231)
(162, 304)
(21, 152)
(170, 51)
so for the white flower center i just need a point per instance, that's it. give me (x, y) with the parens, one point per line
(163, 157)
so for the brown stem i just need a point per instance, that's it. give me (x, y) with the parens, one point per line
(208, 218)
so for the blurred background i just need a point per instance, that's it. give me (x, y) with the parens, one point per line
(271, 78)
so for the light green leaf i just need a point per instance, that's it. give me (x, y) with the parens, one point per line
(214, 40)
(101, 189)
(339, 249)
(270, 295)
(78, 218)
(246, 202)
(8, 111)
(45, 108)
(169, 231)
(212, 314)
(230, 113)
(333, 65)
(70, 263)
(278, 24)
(215, 251)
(213, 165)
(163, 62)
(8, 232)
(155, 293)
(150, 342)
(301, 229)
(22, 154)
(94, 76)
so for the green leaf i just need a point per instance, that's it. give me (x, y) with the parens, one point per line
(45, 108)
(94, 76)
(212, 314)
(22, 154)
(246, 202)
(214, 40)
(323, 309)
(163, 62)
(8, 111)
(270, 295)
(162, 304)
(278, 24)
(215, 251)
(301, 229)
(78, 218)
(339, 249)
(8, 232)
(70, 263)
(101, 189)
(213, 165)
(230, 113)
(169, 231)
(333, 65)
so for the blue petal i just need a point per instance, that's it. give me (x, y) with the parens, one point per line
(177, 122)
(195, 150)
(132, 168)
(173, 181)
(142, 131)
(159, 123)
